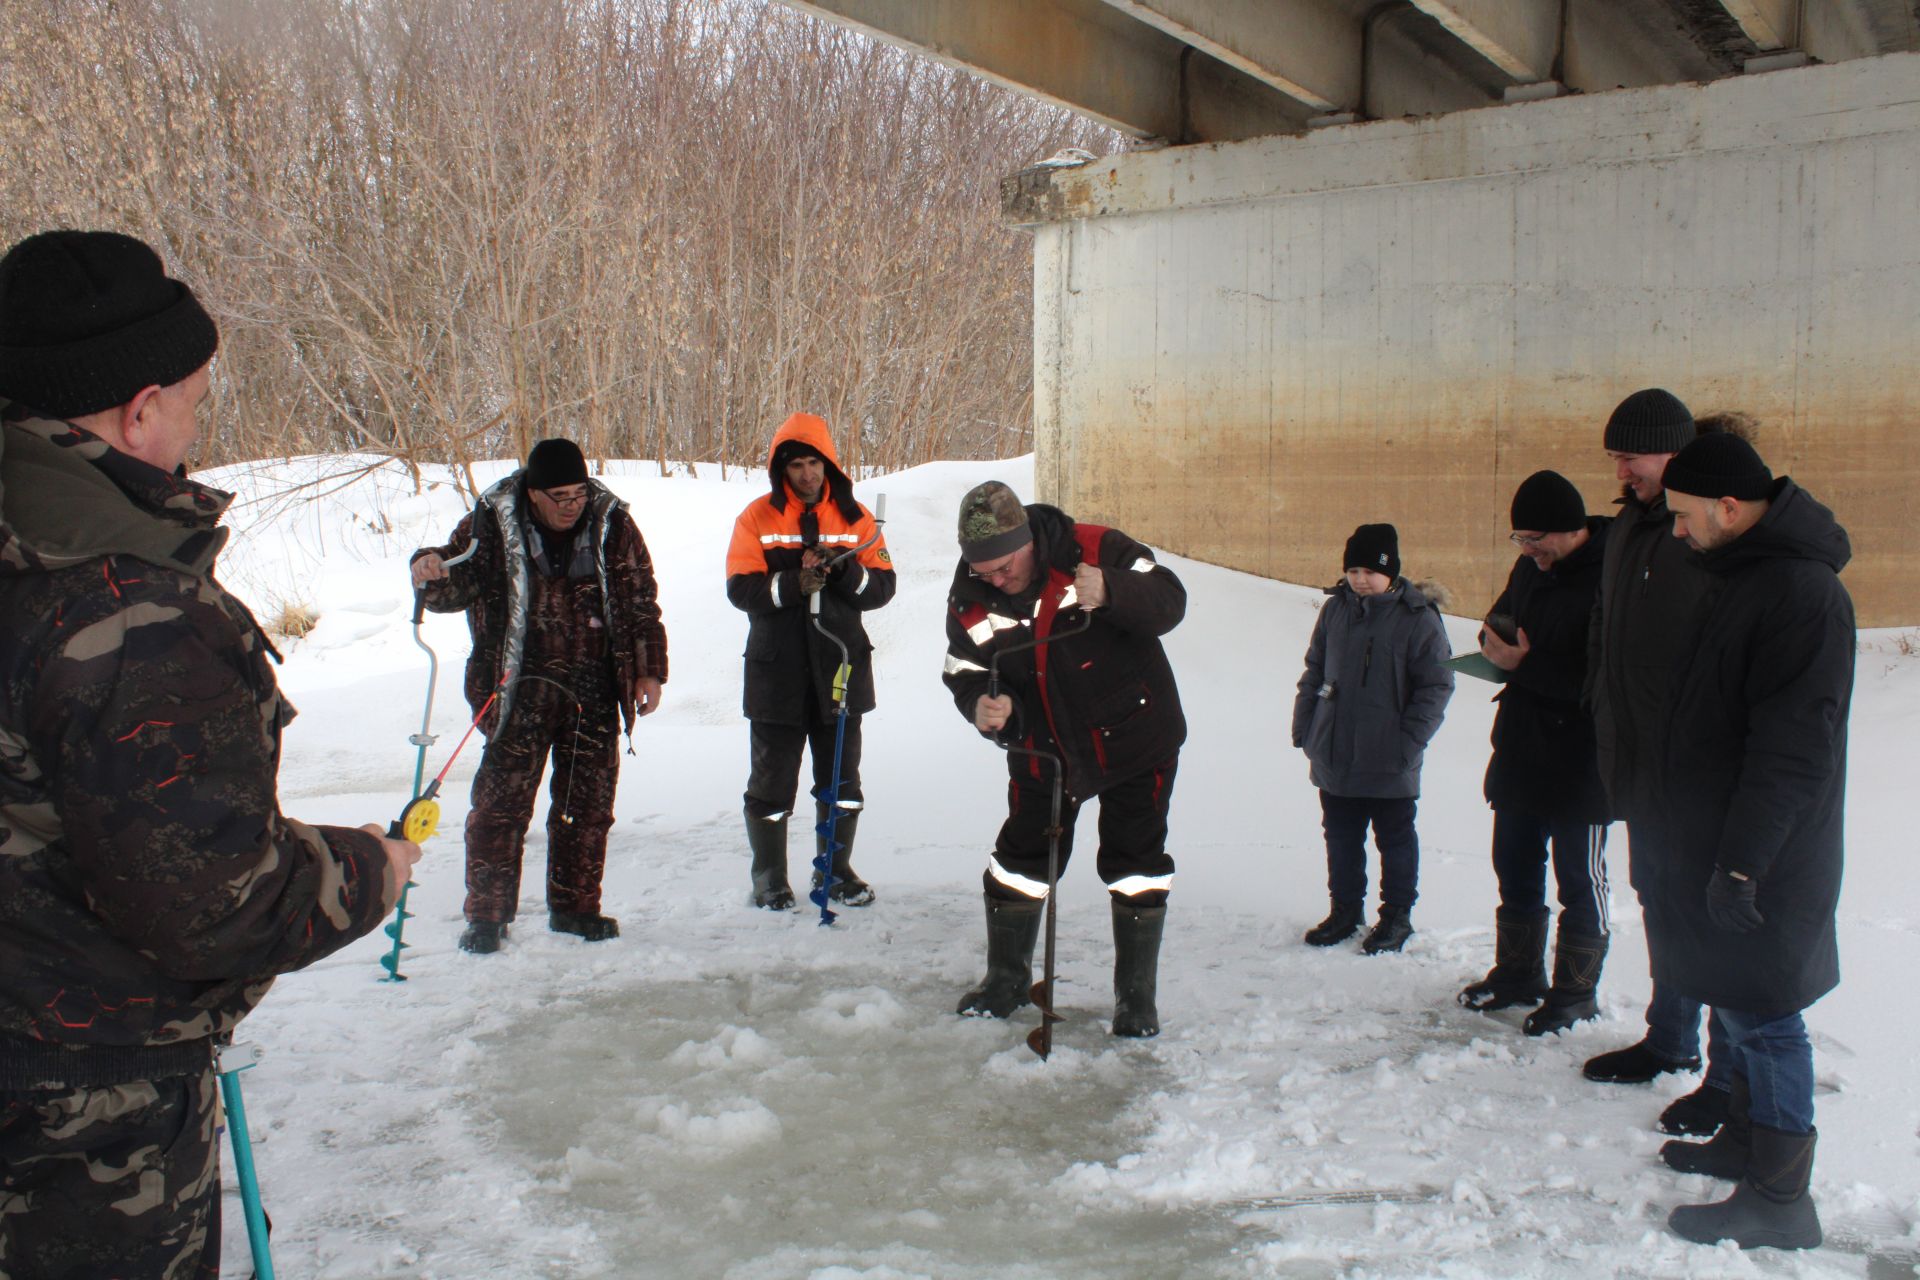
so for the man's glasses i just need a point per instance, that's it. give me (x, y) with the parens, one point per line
(571, 500)
(1526, 539)
(988, 575)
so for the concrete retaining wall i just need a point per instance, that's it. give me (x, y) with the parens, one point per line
(1244, 349)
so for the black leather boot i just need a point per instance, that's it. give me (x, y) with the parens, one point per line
(848, 888)
(482, 937)
(1012, 927)
(1577, 960)
(1771, 1208)
(1342, 922)
(1700, 1113)
(767, 837)
(1635, 1064)
(590, 925)
(1725, 1154)
(1390, 932)
(1519, 973)
(1136, 967)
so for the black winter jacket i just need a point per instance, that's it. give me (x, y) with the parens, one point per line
(1543, 758)
(1753, 775)
(1651, 587)
(1105, 699)
(1373, 691)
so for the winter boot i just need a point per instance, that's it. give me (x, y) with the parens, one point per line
(1519, 973)
(767, 837)
(1136, 967)
(848, 888)
(1342, 922)
(1577, 958)
(1390, 932)
(482, 937)
(1725, 1154)
(1012, 926)
(1635, 1064)
(590, 925)
(1700, 1113)
(1771, 1208)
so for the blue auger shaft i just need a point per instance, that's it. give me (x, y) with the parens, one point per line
(828, 829)
(243, 1168)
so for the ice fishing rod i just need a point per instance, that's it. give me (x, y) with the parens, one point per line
(827, 828)
(1040, 1039)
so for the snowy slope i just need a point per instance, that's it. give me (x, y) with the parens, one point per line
(725, 1092)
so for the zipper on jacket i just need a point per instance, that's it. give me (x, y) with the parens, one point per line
(1366, 662)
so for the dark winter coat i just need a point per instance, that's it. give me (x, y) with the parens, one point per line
(496, 591)
(1104, 700)
(150, 887)
(1373, 692)
(1753, 770)
(1643, 629)
(1543, 758)
(788, 662)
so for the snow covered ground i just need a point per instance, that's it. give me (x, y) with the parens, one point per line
(728, 1092)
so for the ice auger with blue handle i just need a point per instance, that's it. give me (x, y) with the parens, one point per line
(229, 1060)
(827, 828)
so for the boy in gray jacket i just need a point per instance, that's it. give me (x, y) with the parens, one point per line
(1371, 698)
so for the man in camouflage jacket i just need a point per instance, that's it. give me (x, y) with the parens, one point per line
(150, 887)
(560, 598)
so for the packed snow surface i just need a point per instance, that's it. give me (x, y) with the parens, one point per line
(734, 1093)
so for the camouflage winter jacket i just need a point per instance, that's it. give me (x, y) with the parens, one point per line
(496, 591)
(150, 887)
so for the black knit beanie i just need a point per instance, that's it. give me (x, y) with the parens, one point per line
(555, 463)
(1650, 421)
(1375, 547)
(790, 451)
(1721, 465)
(1548, 502)
(88, 318)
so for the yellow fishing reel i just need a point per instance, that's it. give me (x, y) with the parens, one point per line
(418, 821)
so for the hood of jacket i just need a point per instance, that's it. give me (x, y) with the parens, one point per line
(1795, 527)
(811, 430)
(67, 496)
(1402, 593)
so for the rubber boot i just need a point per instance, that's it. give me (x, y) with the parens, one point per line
(1342, 922)
(1577, 960)
(590, 925)
(1519, 973)
(1725, 1154)
(1012, 927)
(482, 937)
(848, 888)
(767, 837)
(1390, 932)
(1771, 1208)
(1136, 967)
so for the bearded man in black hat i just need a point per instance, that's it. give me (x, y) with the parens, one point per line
(1753, 781)
(560, 597)
(150, 887)
(1101, 698)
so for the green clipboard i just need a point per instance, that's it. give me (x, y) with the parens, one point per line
(1475, 664)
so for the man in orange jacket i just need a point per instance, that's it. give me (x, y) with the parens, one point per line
(788, 547)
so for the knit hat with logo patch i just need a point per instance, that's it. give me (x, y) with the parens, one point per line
(1375, 547)
(89, 318)
(993, 523)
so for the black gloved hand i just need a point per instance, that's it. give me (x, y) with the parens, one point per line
(1730, 903)
(812, 579)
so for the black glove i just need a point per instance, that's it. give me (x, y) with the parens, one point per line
(1730, 903)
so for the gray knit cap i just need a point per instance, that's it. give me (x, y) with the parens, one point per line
(993, 523)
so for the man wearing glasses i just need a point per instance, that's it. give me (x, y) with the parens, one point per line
(1542, 782)
(1101, 698)
(560, 597)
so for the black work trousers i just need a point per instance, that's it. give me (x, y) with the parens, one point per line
(1345, 820)
(1133, 861)
(774, 777)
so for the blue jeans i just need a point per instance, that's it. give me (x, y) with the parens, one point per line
(1673, 1032)
(1772, 1052)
